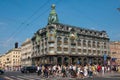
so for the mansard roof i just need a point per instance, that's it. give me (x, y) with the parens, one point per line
(76, 27)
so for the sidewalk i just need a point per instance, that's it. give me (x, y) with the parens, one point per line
(108, 74)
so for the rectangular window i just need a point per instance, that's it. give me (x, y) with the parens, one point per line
(51, 48)
(65, 43)
(79, 44)
(59, 48)
(79, 50)
(59, 43)
(65, 49)
(73, 49)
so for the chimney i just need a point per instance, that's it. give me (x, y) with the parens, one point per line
(16, 45)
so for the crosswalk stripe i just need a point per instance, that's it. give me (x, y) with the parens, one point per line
(8, 78)
(111, 77)
(24, 77)
(29, 77)
(17, 78)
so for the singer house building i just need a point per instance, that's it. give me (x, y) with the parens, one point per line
(59, 43)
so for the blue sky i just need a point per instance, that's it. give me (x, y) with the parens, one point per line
(20, 19)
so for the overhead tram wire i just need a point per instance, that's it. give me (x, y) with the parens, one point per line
(39, 16)
(42, 13)
(13, 34)
(20, 26)
(26, 25)
(57, 2)
(38, 10)
(32, 21)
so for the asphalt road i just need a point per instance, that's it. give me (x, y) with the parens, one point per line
(33, 76)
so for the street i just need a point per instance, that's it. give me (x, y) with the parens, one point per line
(33, 76)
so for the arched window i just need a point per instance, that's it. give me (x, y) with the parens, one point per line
(59, 40)
(84, 43)
(79, 42)
(93, 44)
(98, 44)
(89, 43)
(65, 41)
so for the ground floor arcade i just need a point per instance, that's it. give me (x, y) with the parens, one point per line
(67, 59)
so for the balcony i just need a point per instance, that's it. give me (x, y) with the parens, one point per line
(51, 45)
(73, 52)
(51, 39)
(66, 52)
(52, 52)
(89, 53)
(59, 52)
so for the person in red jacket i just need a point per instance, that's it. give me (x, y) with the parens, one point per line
(98, 68)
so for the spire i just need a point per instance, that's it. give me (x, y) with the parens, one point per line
(53, 18)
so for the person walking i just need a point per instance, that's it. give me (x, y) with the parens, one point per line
(38, 70)
(103, 69)
(85, 70)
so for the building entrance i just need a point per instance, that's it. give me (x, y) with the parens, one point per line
(66, 61)
(59, 60)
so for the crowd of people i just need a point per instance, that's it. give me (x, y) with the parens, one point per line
(73, 71)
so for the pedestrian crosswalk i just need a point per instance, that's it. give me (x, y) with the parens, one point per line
(34, 77)
(23, 77)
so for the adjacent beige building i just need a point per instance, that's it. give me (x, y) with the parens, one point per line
(26, 52)
(2, 61)
(115, 51)
(11, 60)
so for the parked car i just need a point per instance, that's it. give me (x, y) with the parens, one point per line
(29, 69)
(1, 71)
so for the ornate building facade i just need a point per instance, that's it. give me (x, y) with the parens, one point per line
(115, 51)
(26, 53)
(65, 44)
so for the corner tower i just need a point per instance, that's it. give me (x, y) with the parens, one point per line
(53, 18)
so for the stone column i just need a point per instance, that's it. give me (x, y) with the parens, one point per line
(70, 60)
(43, 60)
(87, 60)
(87, 47)
(82, 60)
(91, 46)
(55, 60)
(81, 47)
(69, 47)
(76, 59)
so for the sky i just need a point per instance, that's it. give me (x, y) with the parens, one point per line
(20, 19)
